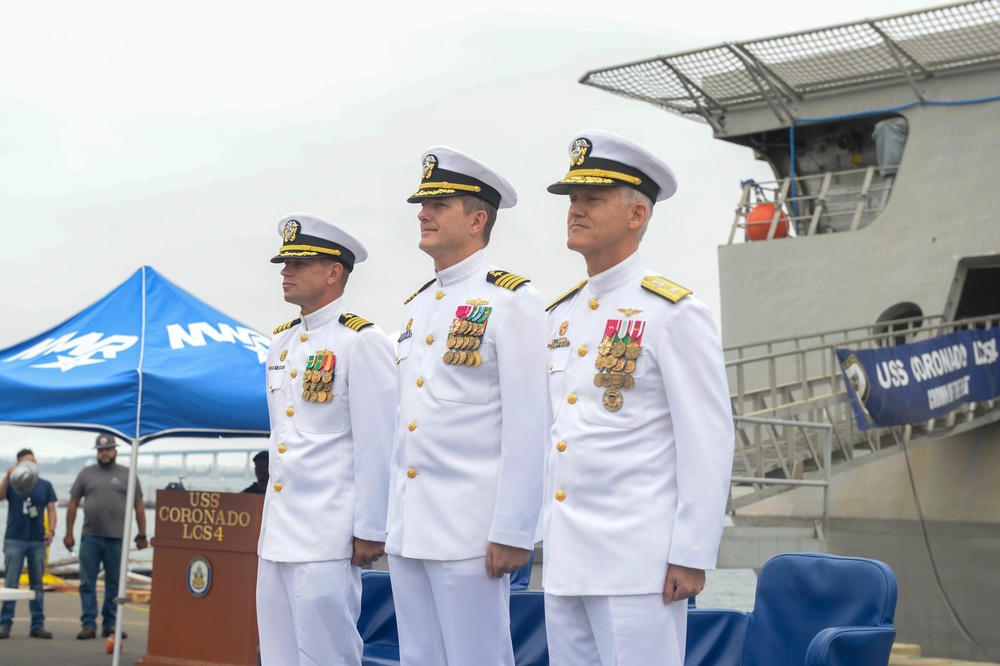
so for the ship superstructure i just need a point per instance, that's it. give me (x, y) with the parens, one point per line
(880, 227)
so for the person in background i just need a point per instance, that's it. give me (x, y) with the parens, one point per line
(259, 486)
(641, 439)
(467, 459)
(331, 390)
(105, 485)
(31, 523)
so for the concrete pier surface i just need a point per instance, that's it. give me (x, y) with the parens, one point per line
(62, 618)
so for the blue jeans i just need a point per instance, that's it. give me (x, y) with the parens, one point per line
(15, 551)
(93, 551)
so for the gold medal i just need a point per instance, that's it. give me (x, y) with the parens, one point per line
(632, 351)
(461, 357)
(313, 396)
(616, 380)
(305, 394)
(321, 396)
(612, 399)
(327, 377)
(619, 365)
(599, 380)
(618, 349)
(470, 360)
(629, 383)
(629, 365)
(451, 342)
(448, 356)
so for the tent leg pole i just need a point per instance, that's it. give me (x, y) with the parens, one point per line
(133, 474)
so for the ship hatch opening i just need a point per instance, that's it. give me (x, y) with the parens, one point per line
(839, 176)
(902, 318)
(980, 293)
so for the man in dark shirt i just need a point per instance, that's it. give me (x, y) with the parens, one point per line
(105, 487)
(260, 462)
(28, 535)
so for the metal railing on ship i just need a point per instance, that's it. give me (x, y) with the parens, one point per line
(831, 202)
(794, 423)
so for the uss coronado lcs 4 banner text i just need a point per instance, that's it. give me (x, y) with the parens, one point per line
(920, 381)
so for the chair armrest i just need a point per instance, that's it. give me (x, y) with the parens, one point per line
(851, 646)
(715, 636)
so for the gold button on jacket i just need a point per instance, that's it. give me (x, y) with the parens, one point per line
(412, 427)
(412, 473)
(571, 399)
(560, 496)
(561, 446)
(277, 487)
(281, 448)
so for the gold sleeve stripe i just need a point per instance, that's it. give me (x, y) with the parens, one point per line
(287, 325)
(506, 280)
(578, 174)
(660, 286)
(448, 186)
(354, 322)
(417, 292)
(293, 250)
(565, 296)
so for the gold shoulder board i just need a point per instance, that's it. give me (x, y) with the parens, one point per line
(287, 325)
(671, 291)
(506, 280)
(414, 294)
(566, 295)
(354, 322)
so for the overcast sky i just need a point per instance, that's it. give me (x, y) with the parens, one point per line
(175, 135)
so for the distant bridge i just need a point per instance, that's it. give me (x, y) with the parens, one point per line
(185, 454)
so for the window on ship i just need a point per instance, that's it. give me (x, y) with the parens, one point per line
(844, 171)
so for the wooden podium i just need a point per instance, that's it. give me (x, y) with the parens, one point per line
(203, 607)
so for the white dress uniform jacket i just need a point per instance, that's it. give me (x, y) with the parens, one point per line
(470, 439)
(629, 491)
(328, 460)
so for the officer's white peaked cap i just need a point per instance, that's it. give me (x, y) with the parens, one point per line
(605, 159)
(446, 172)
(306, 236)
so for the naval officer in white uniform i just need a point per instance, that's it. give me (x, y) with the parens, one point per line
(641, 441)
(331, 388)
(467, 461)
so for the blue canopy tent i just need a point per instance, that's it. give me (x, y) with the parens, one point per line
(148, 360)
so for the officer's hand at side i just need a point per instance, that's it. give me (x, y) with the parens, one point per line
(501, 559)
(682, 582)
(69, 541)
(366, 552)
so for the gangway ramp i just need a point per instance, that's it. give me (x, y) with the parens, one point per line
(795, 427)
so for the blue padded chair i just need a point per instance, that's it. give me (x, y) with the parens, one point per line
(377, 624)
(810, 609)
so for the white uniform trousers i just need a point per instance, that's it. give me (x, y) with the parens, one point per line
(450, 613)
(307, 613)
(625, 630)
